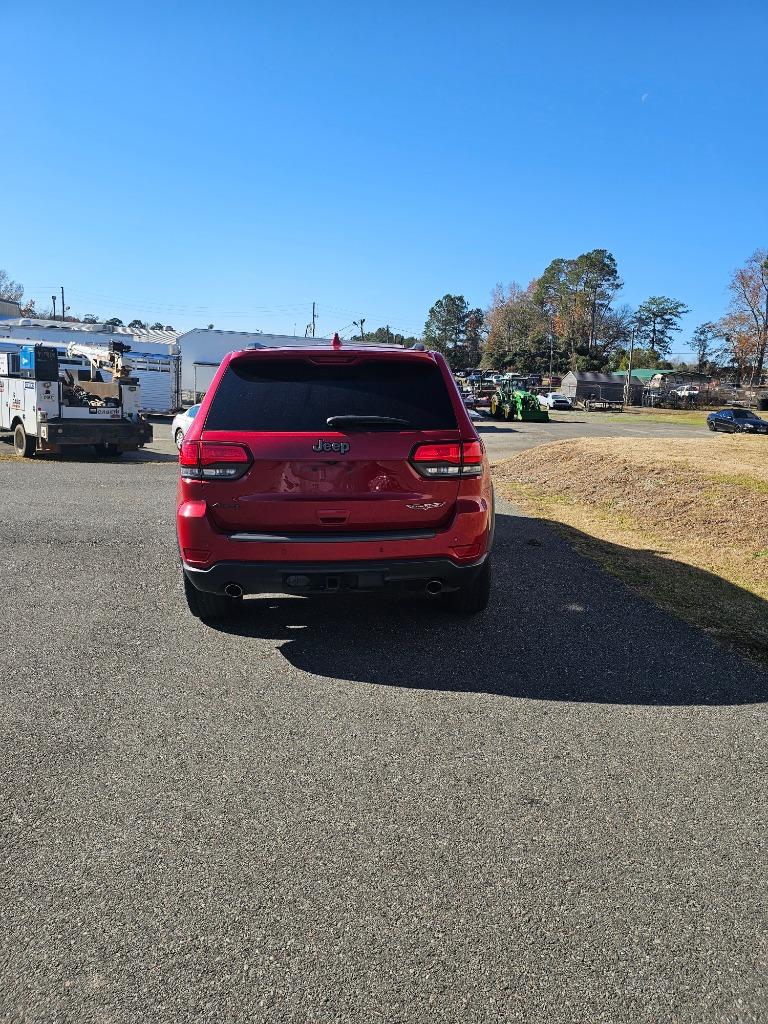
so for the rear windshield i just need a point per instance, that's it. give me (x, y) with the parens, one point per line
(293, 395)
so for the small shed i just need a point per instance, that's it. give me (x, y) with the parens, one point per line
(606, 386)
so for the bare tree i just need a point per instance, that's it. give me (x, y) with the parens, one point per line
(746, 323)
(10, 290)
(30, 311)
(704, 343)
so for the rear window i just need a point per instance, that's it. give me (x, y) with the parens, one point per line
(293, 395)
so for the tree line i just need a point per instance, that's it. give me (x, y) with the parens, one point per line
(570, 318)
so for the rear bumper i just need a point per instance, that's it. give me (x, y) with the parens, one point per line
(329, 577)
(123, 433)
(462, 541)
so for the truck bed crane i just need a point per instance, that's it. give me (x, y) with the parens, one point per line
(104, 357)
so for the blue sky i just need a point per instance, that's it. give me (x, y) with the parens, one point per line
(198, 163)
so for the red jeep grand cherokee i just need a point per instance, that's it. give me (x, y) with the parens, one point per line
(315, 470)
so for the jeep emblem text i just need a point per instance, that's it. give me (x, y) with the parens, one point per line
(331, 446)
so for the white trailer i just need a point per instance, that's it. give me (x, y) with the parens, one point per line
(44, 412)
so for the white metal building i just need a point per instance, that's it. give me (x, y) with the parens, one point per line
(203, 349)
(9, 309)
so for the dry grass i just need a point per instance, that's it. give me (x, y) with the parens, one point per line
(683, 521)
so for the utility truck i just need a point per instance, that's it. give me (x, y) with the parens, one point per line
(45, 410)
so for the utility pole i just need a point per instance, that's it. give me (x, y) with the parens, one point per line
(53, 298)
(63, 307)
(628, 383)
(311, 327)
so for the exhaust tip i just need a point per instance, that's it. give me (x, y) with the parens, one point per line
(233, 590)
(434, 587)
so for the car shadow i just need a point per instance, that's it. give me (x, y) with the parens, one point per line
(501, 427)
(85, 454)
(564, 423)
(558, 628)
(493, 427)
(144, 455)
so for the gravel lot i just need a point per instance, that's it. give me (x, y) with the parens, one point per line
(361, 810)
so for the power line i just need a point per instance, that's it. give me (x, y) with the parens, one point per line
(133, 303)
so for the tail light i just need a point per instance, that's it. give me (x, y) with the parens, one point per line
(472, 458)
(211, 460)
(452, 458)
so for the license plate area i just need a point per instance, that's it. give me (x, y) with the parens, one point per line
(328, 583)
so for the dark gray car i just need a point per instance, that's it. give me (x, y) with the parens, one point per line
(737, 421)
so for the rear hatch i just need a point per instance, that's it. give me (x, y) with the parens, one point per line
(353, 475)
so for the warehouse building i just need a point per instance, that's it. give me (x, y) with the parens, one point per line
(202, 349)
(9, 309)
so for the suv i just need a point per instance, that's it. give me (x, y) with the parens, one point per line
(316, 470)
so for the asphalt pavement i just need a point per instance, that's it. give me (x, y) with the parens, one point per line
(504, 439)
(362, 809)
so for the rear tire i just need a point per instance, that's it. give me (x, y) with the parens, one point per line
(711, 426)
(178, 438)
(473, 597)
(23, 445)
(210, 607)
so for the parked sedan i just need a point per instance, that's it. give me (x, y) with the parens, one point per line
(555, 400)
(181, 424)
(737, 421)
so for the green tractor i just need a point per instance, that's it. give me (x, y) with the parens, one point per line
(510, 401)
